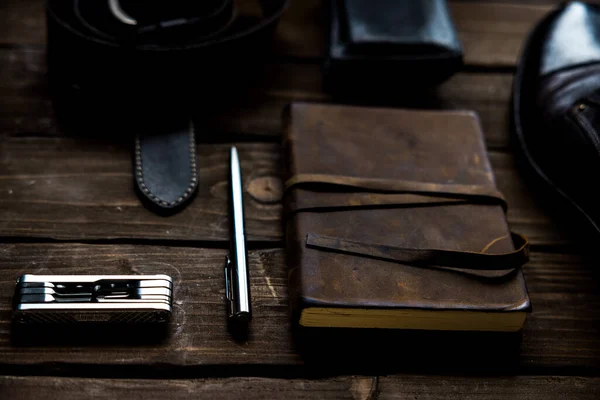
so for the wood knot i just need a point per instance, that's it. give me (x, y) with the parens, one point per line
(266, 189)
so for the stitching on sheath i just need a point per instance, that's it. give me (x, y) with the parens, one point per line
(139, 171)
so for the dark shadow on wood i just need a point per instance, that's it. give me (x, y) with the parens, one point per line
(383, 351)
(88, 334)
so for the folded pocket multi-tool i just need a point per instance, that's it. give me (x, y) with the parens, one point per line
(127, 299)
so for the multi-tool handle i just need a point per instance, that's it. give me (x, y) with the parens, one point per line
(93, 298)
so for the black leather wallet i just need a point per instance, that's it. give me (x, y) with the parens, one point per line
(383, 43)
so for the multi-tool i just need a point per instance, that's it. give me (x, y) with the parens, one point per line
(126, 299)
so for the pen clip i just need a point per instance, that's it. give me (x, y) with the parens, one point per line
(228, 295)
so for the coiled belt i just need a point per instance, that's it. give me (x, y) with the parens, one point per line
(146, 64)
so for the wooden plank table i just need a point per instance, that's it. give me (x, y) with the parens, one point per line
(66, 206)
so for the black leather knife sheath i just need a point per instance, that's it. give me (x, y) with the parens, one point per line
(147, 66)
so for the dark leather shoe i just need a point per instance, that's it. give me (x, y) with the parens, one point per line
(556, 105)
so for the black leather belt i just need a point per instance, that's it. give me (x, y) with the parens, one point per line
(147, 63)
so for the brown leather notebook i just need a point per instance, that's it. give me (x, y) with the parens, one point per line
(393, 220)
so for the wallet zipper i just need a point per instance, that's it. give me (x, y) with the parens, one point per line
(585, 126)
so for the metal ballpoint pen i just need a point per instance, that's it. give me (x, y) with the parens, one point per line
(237, 284)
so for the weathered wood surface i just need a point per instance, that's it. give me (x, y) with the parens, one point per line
(67, 189)
(522, 387)
(346, 387)
(26, 113)
(562, 331)
(76, 189)
(199, 331)
(56, 187)
(26, 106)
(491, 34)
(230, 388)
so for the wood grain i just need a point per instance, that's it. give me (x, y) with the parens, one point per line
(528, 213)
(26, 105)
(199, 333)
(78, 189)
(353, 387)
(491, 34)
(58, 184)
(346, 387)
(562, 332)
(64, 188)
(519, 387)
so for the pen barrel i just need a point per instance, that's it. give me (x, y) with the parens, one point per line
(239, 296)
(240, 302)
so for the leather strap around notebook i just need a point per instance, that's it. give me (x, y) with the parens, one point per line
(393, 219)
(428, 257)
(363, 192)
(374, 193)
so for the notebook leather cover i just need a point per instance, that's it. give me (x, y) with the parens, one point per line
(393, 220)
